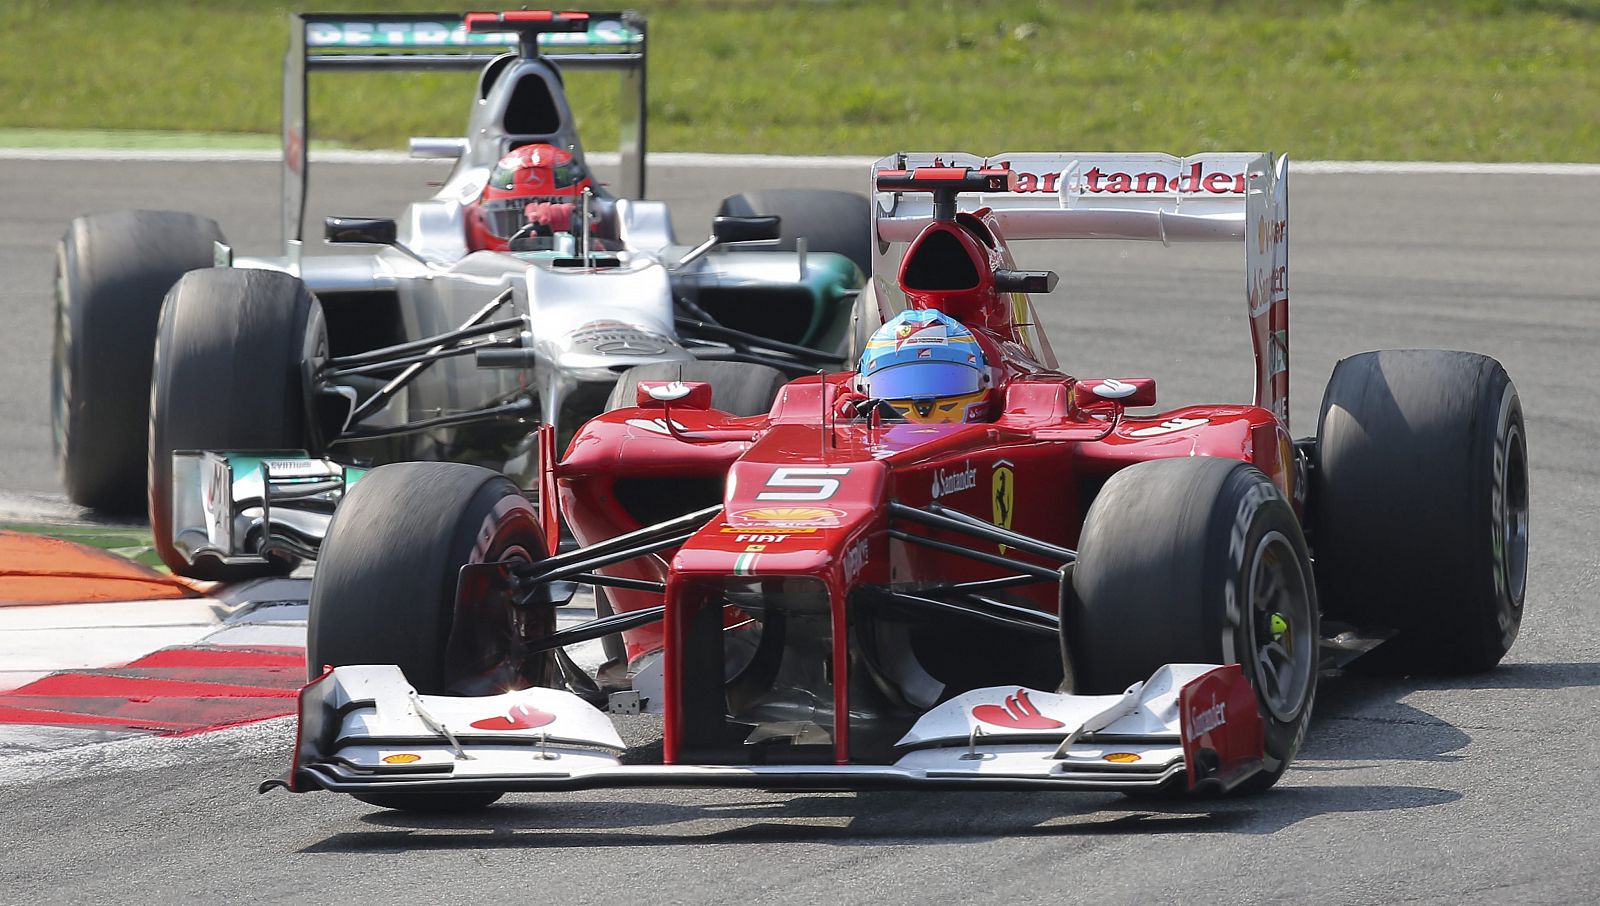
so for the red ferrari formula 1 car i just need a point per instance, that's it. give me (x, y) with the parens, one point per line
(955, 566)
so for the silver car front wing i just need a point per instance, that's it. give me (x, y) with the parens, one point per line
(236, 508)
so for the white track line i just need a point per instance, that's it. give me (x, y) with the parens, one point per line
(760, 161)
(1447, 168)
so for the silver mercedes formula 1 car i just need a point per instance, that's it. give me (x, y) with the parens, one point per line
(513, 297)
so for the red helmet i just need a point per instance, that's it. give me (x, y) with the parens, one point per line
(532, 193)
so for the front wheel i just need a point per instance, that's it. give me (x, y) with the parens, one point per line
(1199, 561)
(385, 591)
(235, 354)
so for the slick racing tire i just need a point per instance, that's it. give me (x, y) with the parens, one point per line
(385, 590)
(112, 271)
(866, 316)
(737, 388)
(234, 358)
(1420, 506)
(830, 221)
(385, 586)
(1200, 561)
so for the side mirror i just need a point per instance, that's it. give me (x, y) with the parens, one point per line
(733, 230)
(375, 230)
(438, 148)
(1010, 281)
(682, 394)
(668, 393)
(728, 230)
(1128, 392)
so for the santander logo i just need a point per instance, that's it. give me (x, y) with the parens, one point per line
(1018, 714)
(1203, 722)
(520, 717)
(964, 479)
(1096, 181)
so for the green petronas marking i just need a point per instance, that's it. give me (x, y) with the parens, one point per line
(449, 32)
(1279, 626)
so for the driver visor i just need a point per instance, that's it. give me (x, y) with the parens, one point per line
(925, 379)
(502, 217)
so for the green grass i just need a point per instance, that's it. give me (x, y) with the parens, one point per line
(133, 543)
(1403, 79)
(142, 139)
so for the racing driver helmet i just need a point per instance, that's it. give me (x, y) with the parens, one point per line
(531, 202)
(928, 367)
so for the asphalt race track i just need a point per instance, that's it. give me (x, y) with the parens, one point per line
(1479, 789)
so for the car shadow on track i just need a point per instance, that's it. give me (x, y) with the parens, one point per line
(1368, 718)
(866, 818)
(1362, 722)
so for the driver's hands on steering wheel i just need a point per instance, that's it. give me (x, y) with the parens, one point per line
(854, 404)
(555, 217)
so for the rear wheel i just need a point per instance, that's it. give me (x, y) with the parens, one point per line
(829, 221)
(385, 591)
(1197, 560)
(1420, 507)
(865, 319)
(112, 272)
(234, 358)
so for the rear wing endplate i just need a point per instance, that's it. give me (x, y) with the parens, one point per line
(366, 42)
(1221, 197)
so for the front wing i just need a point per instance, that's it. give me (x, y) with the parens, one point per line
(364, 729)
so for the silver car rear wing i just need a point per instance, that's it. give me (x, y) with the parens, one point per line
(366, 42)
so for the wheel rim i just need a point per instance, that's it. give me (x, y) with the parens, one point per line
(506, 650)
(1281, 644)
(1512, 534)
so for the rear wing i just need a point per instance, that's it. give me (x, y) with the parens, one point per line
(366, 42)
(1223, 197)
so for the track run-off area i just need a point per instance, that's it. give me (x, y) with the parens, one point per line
(1474, 789)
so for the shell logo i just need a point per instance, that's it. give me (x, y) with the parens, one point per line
(401, 758)
(788, 516)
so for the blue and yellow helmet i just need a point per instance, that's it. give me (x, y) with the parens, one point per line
(928, 366)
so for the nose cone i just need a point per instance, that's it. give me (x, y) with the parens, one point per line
(785, 515)
(819, 500)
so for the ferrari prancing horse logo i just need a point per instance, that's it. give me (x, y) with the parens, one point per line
(1003, 494)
